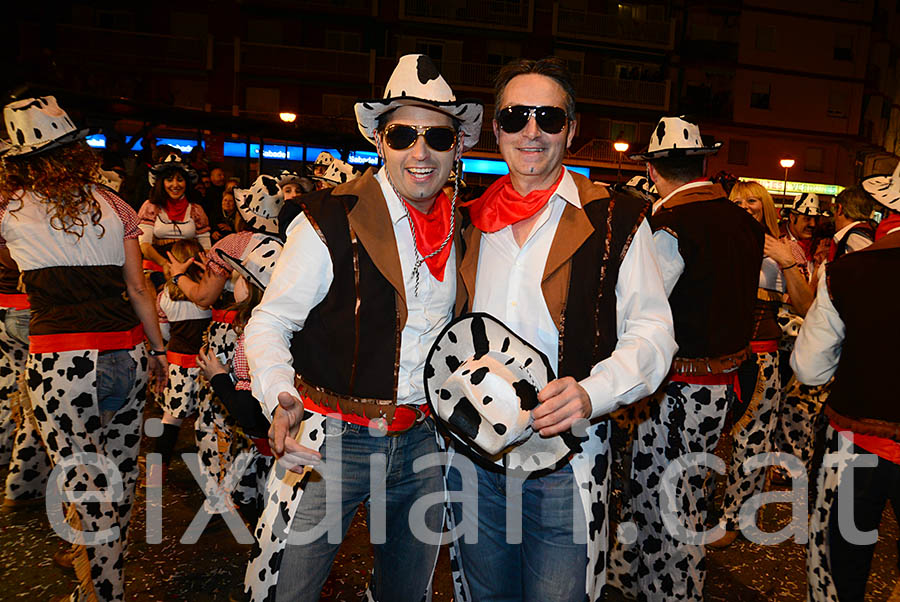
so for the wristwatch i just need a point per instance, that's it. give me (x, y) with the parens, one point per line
(176, 277)
(156, 353)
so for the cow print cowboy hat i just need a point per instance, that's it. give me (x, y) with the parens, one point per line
(675, 137)
(416, 81)
(260, 204)
(482, 381)
(885, 189)
(36, 125)
(257, 262)
(338, 172)
(172, 163)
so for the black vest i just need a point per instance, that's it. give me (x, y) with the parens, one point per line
(713, 300)
(864, 287)
(350, 352)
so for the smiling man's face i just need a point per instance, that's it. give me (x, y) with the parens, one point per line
(534, 156)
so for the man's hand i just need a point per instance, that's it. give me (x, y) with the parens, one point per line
(563, 401)
(158, 372)
(283, 432)
(779, 251)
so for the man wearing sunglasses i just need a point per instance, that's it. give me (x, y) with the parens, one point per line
(572, 270)
(366, 282)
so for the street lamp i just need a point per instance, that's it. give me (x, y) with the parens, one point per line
(287, 117)
(621, 146)
(786, 164)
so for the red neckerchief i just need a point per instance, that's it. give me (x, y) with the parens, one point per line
(176, 209)
(501, 205)
(431, 230)
(887, 224)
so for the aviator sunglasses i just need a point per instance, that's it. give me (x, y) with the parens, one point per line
(551, 120)
(440, 138)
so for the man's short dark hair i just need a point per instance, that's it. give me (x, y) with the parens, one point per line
(679, 169)
(551, 66)
(857, 204)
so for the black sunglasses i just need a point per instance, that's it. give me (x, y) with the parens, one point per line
(440, 138)
(512, 119)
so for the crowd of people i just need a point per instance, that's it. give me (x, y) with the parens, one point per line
(542, 370)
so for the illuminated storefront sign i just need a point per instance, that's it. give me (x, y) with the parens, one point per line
(777, 187)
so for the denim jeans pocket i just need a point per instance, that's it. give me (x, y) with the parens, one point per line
(334, 427)
(116, 371)
(16, 322)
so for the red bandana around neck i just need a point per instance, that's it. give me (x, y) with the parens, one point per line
(177, 209)
(501, 205)
(431, 230)
(887, 224)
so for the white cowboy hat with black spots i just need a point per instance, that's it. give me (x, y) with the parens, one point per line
(260, 204)
(257, 262)
(288, 177)
(675, 137)
(339, 172)
(416, 81)
(324, 159)
(35, 125)
(482, 381)
(885, 189)
(173, 162)
(807, 203)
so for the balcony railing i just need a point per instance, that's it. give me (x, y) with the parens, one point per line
(335, 65)
(117, 47)
(601, 151)
(601, 27)
(627, 92)
(491, 14)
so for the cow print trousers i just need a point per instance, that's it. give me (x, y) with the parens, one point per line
(650, 559)
(182, 391)
(29, 464)
(63, 390)
(752, 435)
(801, 419)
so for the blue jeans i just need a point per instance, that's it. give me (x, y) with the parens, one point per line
(543, 556)
(378, 471)
(115, 377)
(16, 322)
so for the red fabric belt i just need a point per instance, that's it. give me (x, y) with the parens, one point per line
(770, 346)
(404, 416)
(185, 360)
(152, 266)
(262, 444)
(14, 300)
(726, 378)
(72, 341)
(225, 316)
(881, 447)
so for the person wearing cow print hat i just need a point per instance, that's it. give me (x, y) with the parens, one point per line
(569, 267)
(850, 334)
(76, 243)
(364, 285)
(710, 252)
(337, 173)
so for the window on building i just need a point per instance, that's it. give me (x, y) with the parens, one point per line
(337, 105)
(760, 94)
(501, 52)
(843, 48)
(838, 104)
(765, 38)
(815, 159)
(620, 130)
(738, 151)
(263, 100)
(434, 50)
(265, 31)
(574, 60)
(348, 41)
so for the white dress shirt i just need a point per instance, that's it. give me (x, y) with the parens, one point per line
(818, 348)
(302, 277)
(671, 264)
(856, 241)
(508, 287)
